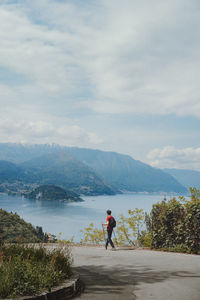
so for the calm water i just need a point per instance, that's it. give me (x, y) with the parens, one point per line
(69, 218)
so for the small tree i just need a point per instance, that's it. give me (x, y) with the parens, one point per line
(122, 232)
(92, 235)
(129, 228)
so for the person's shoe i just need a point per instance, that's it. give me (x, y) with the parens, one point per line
(114, 249)
(106, 247)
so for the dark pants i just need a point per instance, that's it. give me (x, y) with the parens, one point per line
(109, 240)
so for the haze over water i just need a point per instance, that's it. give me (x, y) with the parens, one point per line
(70, 218)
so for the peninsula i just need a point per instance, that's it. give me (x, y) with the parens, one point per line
(53, 192)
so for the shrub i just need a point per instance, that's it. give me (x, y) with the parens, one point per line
(93, 235)
(146, 239)
(27, 270)
(176, 224)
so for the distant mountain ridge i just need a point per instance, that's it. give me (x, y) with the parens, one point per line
(125, 173)
(19, 153)
(62, 169)
(88, 171)
(188, 178)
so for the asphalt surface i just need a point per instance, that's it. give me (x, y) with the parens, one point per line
(137, 274)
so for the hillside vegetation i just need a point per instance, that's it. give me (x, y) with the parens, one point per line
(10, 172)
(13, 229)
(52, 192)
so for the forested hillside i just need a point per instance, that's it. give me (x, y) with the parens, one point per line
(10, 172)
(14, 229)
(52, 192)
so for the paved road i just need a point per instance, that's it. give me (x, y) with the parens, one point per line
(137, 274)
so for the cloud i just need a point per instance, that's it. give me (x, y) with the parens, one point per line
(171, 157)
(147, 60)
(119, 58)
(46, 132)
(34, 51)
(68, 67)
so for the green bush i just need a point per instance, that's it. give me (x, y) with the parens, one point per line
(27, 270)
(92, 235)
(146, 239)
(176, 224)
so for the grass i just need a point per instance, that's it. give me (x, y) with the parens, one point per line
(28, 270)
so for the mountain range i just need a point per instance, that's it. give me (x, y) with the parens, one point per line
(62, 169)
(84, 171)
(188, 178)
(125, 173)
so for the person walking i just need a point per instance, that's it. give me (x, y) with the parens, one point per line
(110, 223)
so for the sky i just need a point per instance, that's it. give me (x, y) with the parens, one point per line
(113, 75)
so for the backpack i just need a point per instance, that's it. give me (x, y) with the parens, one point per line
(112, 222)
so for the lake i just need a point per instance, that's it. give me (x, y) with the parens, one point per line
(70, 218)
